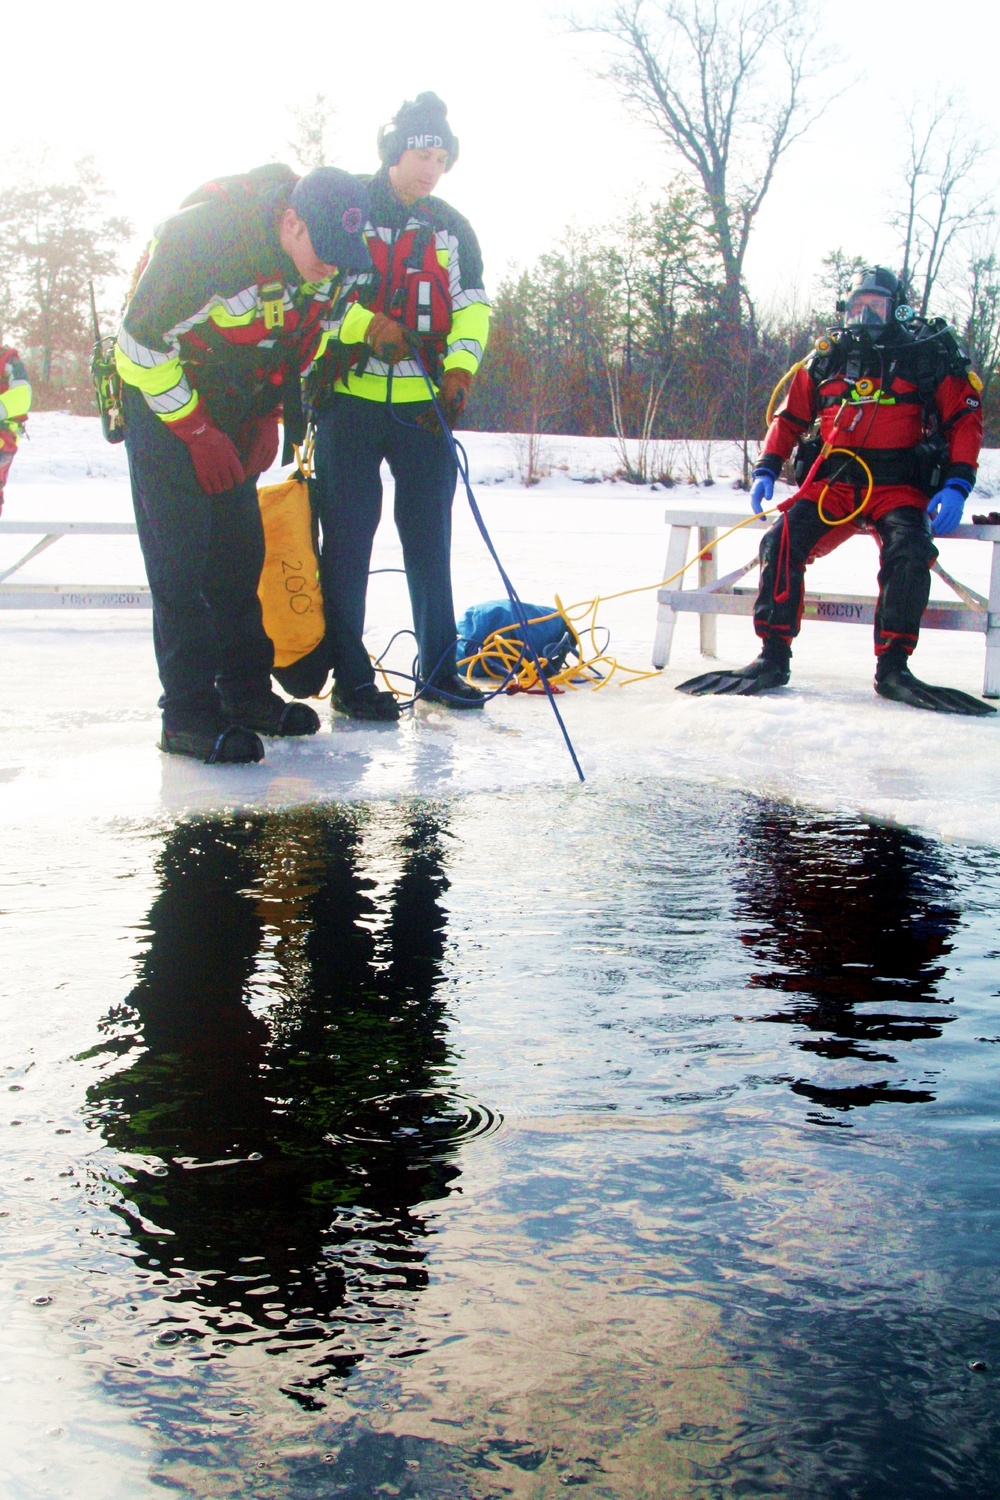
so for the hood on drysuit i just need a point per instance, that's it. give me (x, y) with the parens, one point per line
(876, 303)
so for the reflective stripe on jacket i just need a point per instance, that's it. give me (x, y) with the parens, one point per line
(195, 329)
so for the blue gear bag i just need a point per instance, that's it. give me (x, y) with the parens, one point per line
(549, 639)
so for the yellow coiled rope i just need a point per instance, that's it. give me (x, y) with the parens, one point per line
(594, 671)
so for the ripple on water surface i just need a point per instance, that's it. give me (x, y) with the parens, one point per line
(641, 1141)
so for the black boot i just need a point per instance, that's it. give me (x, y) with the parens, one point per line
(895, 681)
(212, 738)
(271, 715)
(772, 669)
(365, 702)
(453, 692)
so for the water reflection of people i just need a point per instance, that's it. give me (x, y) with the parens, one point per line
(285, 1058)
(850, 921)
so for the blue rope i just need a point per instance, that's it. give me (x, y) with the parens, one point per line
(414, 677)
(462, 464)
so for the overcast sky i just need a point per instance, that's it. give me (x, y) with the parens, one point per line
(166, 96)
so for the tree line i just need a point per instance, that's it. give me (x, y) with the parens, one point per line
(58, 237)
(626, 334)
(649, 332)
(645, 332)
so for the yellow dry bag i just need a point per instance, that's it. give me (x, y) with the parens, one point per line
(289, 590)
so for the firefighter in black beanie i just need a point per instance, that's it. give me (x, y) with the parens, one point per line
(426, 284)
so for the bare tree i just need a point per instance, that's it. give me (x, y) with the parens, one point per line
(313, 124)
(835, 278)
(627, 265)
(724, 82)
(638, 456)
(941, 202)
(6, 307)
(982, 322)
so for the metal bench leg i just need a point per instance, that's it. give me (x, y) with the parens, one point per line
(991, 679)
(47, 541)
(708, 572)
(677, 550)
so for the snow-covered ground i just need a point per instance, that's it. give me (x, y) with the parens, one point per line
(78, 721)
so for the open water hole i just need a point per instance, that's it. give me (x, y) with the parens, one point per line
(639, 1139)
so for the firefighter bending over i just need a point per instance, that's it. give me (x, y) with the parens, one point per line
(238, 292)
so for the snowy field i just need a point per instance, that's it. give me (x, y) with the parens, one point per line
(78, 721)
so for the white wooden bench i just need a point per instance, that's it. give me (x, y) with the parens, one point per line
(67, 596)
(712, 595)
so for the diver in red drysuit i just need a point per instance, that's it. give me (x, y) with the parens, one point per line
(897, 391)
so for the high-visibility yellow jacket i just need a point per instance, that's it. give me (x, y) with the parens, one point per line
(197, 327)
(390, 234)
(15, 398)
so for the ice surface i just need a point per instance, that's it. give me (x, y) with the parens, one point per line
(78, 721)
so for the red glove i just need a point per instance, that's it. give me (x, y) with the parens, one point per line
(259, 443)
(216, 462)
(455, 388)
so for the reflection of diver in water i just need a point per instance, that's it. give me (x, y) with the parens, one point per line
(291, 1078)
(843, 915)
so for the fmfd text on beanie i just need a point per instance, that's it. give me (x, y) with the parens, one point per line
(418, 125)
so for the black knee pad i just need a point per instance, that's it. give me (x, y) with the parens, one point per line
(906, 537)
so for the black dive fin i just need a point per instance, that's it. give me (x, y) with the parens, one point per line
(760, 676)
(902, 687)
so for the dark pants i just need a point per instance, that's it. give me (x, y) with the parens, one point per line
(352, 438)
(203, 556)
(904, 577)
(6, 459)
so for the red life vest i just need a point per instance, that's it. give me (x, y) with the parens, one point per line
(412, 284)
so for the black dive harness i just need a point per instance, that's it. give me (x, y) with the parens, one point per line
(924, 361)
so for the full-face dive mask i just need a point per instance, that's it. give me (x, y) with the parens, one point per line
(876, 300)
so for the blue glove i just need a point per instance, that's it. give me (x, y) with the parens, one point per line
(762, 490)
(945, 508)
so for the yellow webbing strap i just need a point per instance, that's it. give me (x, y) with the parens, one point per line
(304, 454)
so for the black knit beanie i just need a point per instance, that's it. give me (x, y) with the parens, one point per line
(418, 125)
